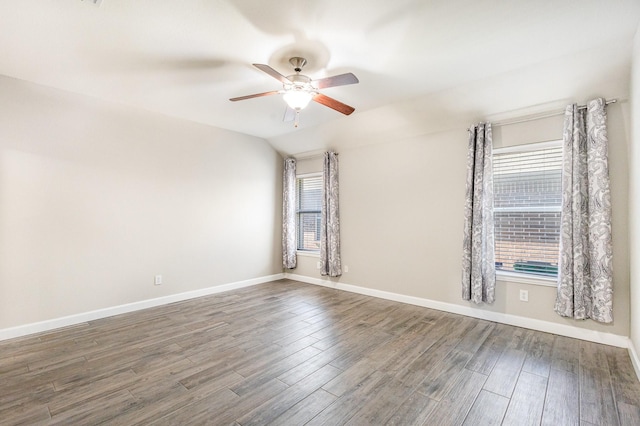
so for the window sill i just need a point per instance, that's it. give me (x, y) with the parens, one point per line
(308, 253)
(515, 277)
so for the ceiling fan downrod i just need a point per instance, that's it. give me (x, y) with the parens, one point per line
(298, 63)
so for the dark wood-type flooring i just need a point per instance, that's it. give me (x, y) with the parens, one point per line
(287, 353)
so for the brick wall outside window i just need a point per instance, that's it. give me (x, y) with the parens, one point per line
(308, 212)
(527, 188)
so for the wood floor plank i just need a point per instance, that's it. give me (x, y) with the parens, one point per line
(626, 387)
(442, 377)
(456, 404)
(26, 414)
(246, 403)
(22, 395)
(158, 398)
(50, 353)
(304, 369)
(100, 410)
(327, 338)
(278, 405)
(448, 336)
(85, 395)
(593, 355)
(527, 401)
(16, 369)
(302, 333)
(629, 414)
(487, 410)
(155, 399)
(410, 344)
(55, 366)
(290, 353)
(562, 401)
(160, 361)
(359, 347)
(413, 410)
(539, 349)
(352, 377)
(597, 403)
(296, 352)
(382, 408)
(45, 376)
(398, 354)
(276, 369)
(405, 317)
(472, 341)
(505, 373)
(193, 374)
(350, 403)
(305, 410)
(202, 411)
(520, 338)
(566, 354)
(487, 354)
(86, 373)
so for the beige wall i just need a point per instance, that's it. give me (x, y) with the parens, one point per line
(402, 196)
(634, 196)
(97, 198)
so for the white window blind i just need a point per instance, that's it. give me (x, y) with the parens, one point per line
(309, 211)
(528, 196)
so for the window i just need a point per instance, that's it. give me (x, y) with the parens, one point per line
(528, 195)
(308, 211)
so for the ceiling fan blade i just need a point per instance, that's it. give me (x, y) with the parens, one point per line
(336, 80)
(256, 95)
(273, 73)
(289, 114)
(333, 104)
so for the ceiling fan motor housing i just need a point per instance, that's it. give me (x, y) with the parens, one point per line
(298, 82)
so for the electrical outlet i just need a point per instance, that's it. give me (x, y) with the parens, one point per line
(318, 265)
(346, 269)
(524, 295)
(158, 280)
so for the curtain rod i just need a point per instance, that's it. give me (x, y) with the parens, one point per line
(541, 116)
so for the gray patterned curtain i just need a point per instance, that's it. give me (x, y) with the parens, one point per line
(330, 263)
(478, 256)
(289, 214)
(585, 281)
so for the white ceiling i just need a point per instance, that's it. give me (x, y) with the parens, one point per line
(186, 58)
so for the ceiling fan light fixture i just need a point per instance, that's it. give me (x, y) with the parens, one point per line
(297, 99)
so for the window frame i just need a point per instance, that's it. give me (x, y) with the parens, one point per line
(302, 251)
(520, 277)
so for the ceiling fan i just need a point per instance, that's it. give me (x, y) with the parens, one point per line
(298, 89)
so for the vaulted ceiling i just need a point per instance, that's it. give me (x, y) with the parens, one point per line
(187, 58)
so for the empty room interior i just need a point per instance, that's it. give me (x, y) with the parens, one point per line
(244, 212)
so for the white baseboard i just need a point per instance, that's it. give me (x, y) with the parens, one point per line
(635, 360)
(38, 327)
(531, 323)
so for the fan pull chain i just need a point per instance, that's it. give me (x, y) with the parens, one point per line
(297, 121)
